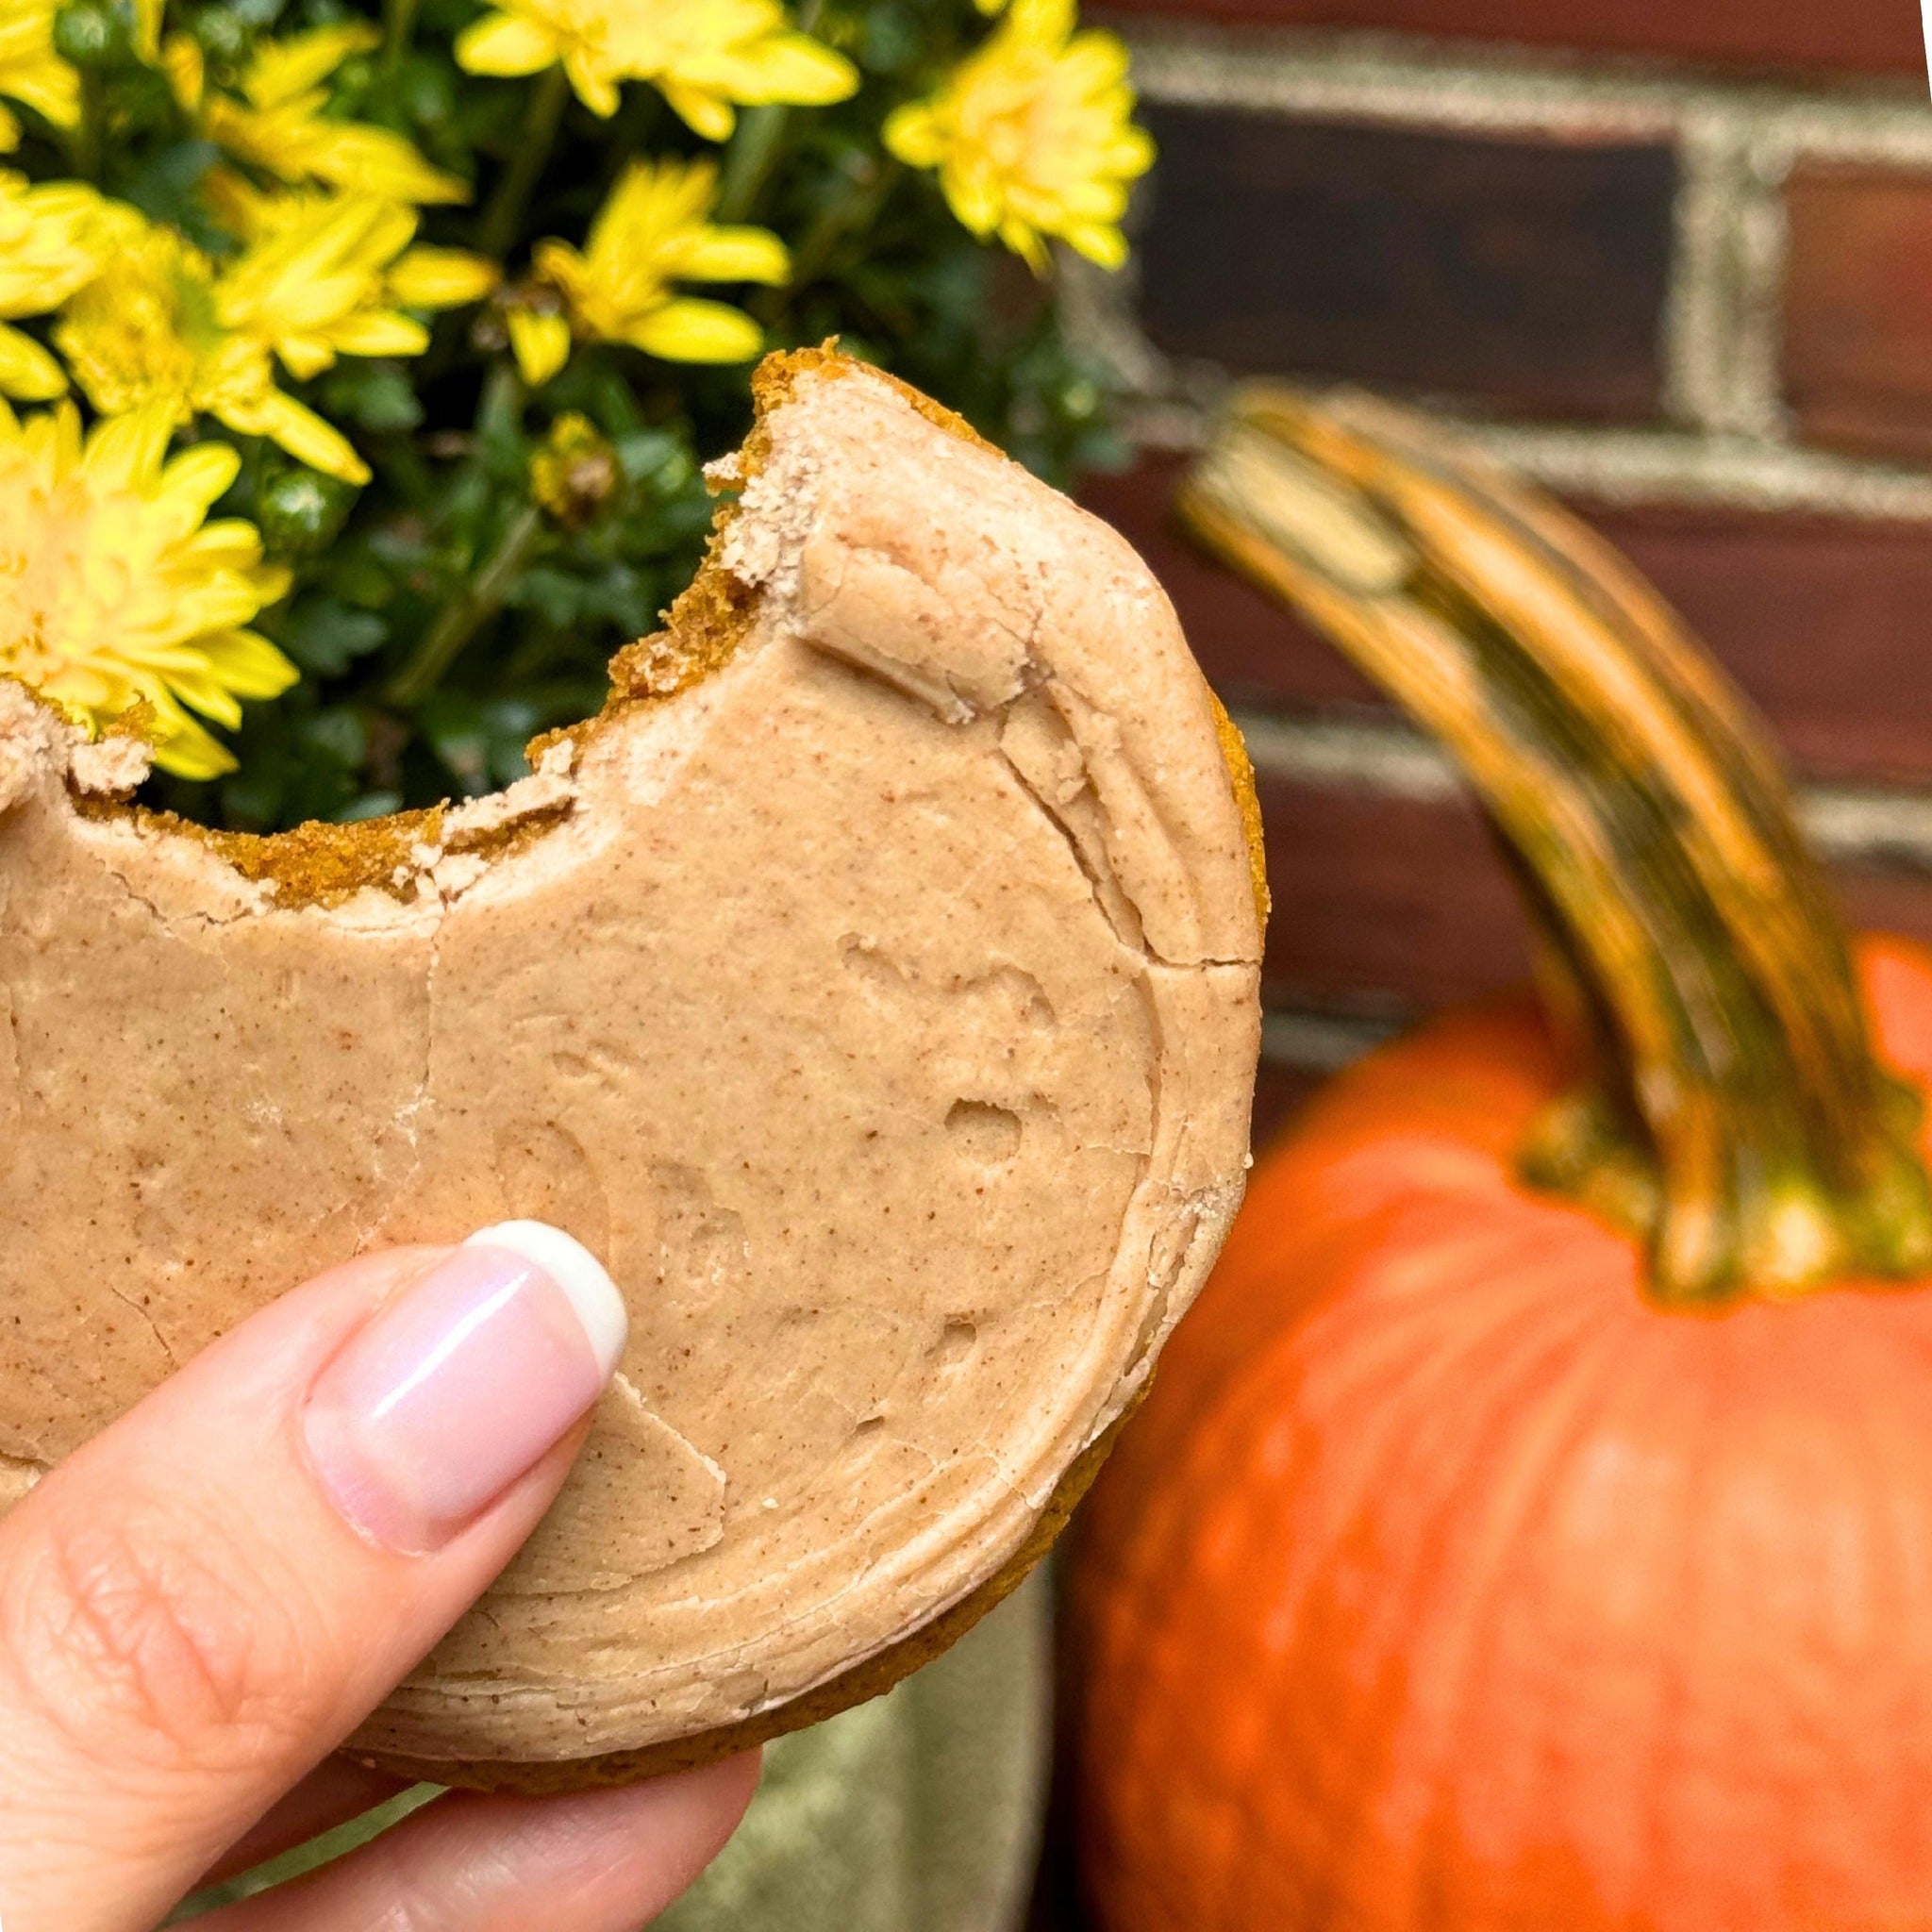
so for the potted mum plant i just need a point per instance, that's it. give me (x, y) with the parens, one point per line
(360, 362)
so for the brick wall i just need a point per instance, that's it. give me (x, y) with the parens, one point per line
(1673, 258)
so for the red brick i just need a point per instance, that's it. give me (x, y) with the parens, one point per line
(1384, 904)
(1869, 37)
(1827, 625)
(1528, 274)
(1279, 1092)
(1858, 311)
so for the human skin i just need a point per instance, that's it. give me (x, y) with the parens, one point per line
(201, 1604)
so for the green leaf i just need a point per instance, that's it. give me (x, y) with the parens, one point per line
(556, 597)
(323, 636)
(164, 190)
(377, 395)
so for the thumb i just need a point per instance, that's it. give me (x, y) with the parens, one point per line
(205, 1600)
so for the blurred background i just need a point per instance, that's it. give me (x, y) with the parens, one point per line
(1671, 258)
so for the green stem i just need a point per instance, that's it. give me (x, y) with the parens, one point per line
(755, 145)
(504, 218)
(749, 160)
(441, 645)
(84, 145)
(841, 215)
(398, 26)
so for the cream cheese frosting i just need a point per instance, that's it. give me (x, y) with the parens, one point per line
(880, 1008)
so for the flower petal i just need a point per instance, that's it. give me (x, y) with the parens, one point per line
(201, 474)
(186, 70)
(508, 44)
(283, 68)
(784, 67)
(27, 370)
(703, 110)
(190, 752)
(248, 664)
(125, 452)
(440, 278)
(913, 134)
(541, 344)
(1025, 241)
(592, 82)
(690, 330)
(379, 332)
(1099, 242)
(305, 356)
(300, 431)
(372, 160)
(732, 255)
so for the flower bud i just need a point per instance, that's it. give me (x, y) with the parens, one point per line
(93, 33)
(575, 472)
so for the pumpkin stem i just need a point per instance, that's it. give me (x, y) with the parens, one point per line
(1728, 1107)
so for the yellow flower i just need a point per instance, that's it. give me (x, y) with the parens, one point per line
(185, 71)
(282, 128)
(651, 232)
(574, 474)
(31, 71)
(114, 589)
(1033, 136)
(702, 55)
(418, 278)
(53, 238)
(163, 327)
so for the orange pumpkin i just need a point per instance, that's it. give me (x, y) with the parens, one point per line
(1531, 1525)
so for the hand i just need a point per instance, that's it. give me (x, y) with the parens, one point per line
(201, 1604)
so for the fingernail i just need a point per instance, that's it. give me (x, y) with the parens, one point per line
(449, 1396)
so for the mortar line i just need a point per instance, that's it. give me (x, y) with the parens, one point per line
(1875, 824)
(1631, 468)
(1460, 87)
(1722, 327)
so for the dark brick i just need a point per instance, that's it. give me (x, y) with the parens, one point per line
(1827, 625)
(1858, 311)
(1517, 271)
(1384, 904)
(1279, 1092)
(1870, 37)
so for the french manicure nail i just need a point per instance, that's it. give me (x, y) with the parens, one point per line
(450, 1395)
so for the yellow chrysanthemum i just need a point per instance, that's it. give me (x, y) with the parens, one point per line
(164, 327)
(114, 589)
(282, 128)
(53, 238)
(418, 278)
(702, 55)
(650, 233)
(1033, 136)
(31, 71)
